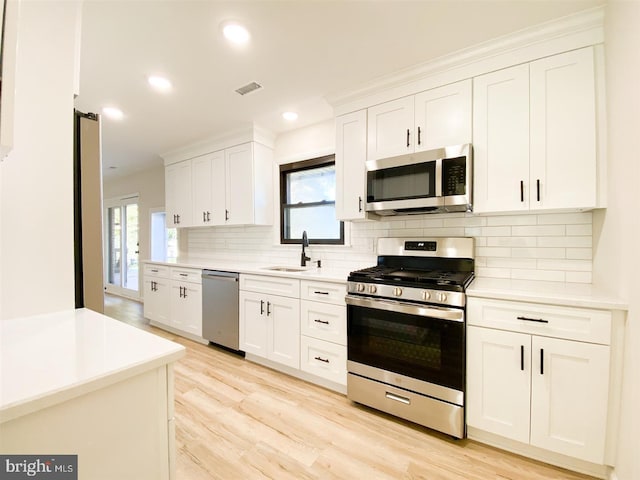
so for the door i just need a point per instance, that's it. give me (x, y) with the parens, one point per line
(239, 184)
(201, 171)
(218, 188)
(178, 194)
(254, 324)
(563, 131)
(390, 129)
(351, 155)
(569, 396)
(501, 140)
(122, 246)
(156, 299)
(284, 333)
(192, 308)
(498, 382)
(443, 116)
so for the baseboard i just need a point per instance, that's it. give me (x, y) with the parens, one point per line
(180, 333)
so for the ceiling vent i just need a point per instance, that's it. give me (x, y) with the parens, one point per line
(248, 88)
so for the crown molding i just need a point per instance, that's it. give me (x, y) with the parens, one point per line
(231, 138)
(567, 33)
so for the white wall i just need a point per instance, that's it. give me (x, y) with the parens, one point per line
(149, 185)
(36, 195)
(616, 259)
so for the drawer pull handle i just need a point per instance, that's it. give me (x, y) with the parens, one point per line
(538, 320)
(320, 359)
(154, 270)
(184, 274)
(321, 293)
(325, 322)
(398, 398)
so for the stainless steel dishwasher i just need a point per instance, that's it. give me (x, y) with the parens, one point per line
(220, 308)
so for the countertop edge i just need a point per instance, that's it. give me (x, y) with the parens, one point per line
(49, 399)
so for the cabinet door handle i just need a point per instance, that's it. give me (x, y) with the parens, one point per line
(522, 357)
(268, 308)
(174, 219)
(180, 291)
(208, 216)
(261, 307)
(521, 190)
(204, 217)
(178, 217)
(324, 322)
(542, 361)
(537, 320)
(320, 359)
(419, 131)
(226, 214)
(408, 138)
(185, 293)
(538, 189)
(359, 204)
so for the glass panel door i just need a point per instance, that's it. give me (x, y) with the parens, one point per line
(122, 246)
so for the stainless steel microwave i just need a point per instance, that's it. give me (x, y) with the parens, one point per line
(432, 181)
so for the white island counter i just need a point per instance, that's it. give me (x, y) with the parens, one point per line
(78, 382)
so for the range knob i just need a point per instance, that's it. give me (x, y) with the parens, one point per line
(426, 295)
(372, 289)
(360, 287)
(397, 291)
(442, 297)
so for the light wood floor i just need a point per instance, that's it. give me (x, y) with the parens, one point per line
(239, 420)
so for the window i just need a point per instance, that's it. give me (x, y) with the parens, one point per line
(164, 241)
(308, 202)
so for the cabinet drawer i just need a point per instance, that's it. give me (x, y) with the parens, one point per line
(287, 287)
(581, 324)
(187, 274)
(323, 291)
(161, 271)
(324, 321)
(324, 359)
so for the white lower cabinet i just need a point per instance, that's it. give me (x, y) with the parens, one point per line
(156, 293)
(269, 324)
(525, 385)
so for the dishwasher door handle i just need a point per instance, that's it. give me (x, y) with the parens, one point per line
(219, 277)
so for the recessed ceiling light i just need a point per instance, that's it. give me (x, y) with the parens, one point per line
(236, 33)
(160, 84)
(290, 116)
(113, 113)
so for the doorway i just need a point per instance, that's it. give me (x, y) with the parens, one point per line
(122, 246)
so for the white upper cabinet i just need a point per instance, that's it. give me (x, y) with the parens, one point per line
(534, 135)
(432, 119)
(501, 140)
(351, 155)
(563, 131)
(443, 116)
(178, 194)
(228, 187)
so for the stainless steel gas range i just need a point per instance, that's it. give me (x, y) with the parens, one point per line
(406, 331)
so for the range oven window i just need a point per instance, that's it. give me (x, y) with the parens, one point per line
(425, 348)
(402, 183)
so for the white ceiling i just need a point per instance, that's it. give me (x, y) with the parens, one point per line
(300, 51)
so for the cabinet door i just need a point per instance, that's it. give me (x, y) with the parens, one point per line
(498, 382)
(351, 155)
(563, 131)
(284, 333)
(501, 140)
(254, 324)
(390, 129)
(192, 308)
(178, 194)
(443, 116)
(156, 300)
(201, 182)
(176, 305)
(239, 184)
(570, 384)
(218, 188)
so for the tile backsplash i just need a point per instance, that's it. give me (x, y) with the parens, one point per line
(553, 247)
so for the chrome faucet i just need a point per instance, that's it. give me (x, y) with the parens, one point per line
(303, 256)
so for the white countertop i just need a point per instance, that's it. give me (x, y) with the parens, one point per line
(47, 359)
(309, 273)
(556, 293)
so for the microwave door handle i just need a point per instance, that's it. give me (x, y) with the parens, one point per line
(438, 178)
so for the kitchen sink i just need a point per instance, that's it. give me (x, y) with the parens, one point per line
(286, 269)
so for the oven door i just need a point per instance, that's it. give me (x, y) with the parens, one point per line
(423, 343)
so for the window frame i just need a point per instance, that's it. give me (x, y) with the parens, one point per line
(299, 166)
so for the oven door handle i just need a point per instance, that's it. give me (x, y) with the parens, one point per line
(441, 313)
